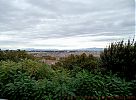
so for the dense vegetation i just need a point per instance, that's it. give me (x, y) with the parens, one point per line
(81, 62)
(14, 55)
(120, 57)
(25, 78)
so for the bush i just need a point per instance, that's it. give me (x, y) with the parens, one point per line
(79, 62)
(63, 80)
(88, 84)
(29, 79)
(8, 69)
(22, 88)
(36, 69)
(120, 57)
(21, 80)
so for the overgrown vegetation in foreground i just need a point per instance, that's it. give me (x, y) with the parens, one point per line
(81, 75)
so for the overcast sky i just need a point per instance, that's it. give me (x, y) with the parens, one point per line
(65, 24)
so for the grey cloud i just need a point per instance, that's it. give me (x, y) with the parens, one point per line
(49, 45)
(88, 6)
(13, 42)
(110, 39)
(45, 19)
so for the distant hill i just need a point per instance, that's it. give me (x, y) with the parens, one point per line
(91, 49)
(82, 49)
(40, 50)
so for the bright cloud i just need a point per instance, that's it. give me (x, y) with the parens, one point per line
(65, 24)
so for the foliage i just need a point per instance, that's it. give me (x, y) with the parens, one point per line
(88, 84)
(8, 69)
(75, 75)
(78, 62)
(36, 69)
(14, 55)
(30, 79)
(120, 57)
(22, 88)
(64, 83)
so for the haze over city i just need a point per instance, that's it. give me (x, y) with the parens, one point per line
(65, 24)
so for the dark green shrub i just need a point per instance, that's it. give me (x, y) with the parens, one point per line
(36, 69)
(56, 88)
(44, 89)
(120, 57)
(88, 84)
(8, 69)
(82, 61)
(133, 87)
(22, 88)
(22, 80)
(63, 80)
(29, 79)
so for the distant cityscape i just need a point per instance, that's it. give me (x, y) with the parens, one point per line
(43, 50)
(46, 50)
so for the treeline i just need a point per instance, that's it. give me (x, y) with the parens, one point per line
(80, 62)
(14, 55)
(120, 57)
(74, 76)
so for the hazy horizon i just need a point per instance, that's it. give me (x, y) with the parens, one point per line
(65, 24)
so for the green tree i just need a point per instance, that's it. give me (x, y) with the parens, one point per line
(120, 57)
